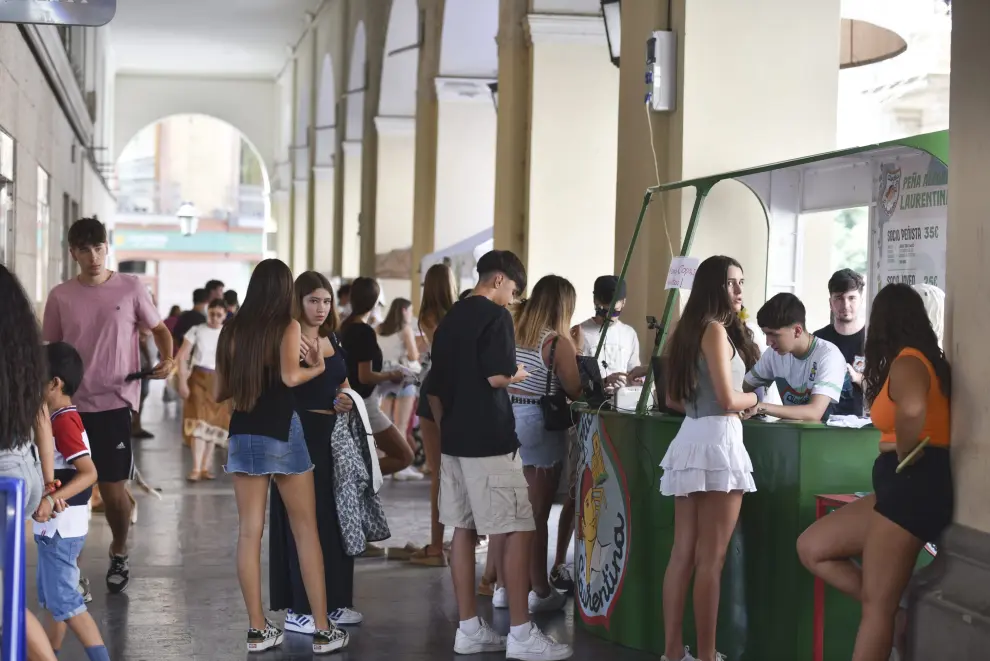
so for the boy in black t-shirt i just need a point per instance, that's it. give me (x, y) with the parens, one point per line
(848, 332)
(482, 487)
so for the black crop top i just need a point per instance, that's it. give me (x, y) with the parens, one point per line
(272, 413)
(318, 394)
(360, 343)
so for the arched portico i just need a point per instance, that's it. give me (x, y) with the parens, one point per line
(325, 144)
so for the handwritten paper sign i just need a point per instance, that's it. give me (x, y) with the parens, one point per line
(681, 273)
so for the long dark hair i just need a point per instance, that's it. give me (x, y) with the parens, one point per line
(898, 321)
(438, 295)
(306, 284)
(23, 367)
(248, 356)
(364, 298)
(395, 320)
(709, 302)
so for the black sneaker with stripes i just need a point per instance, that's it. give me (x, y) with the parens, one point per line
(259, 641)
(329, 640)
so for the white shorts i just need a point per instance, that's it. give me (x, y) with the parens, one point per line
(379, 421)
(707, 454)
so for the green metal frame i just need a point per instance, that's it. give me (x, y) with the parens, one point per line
(935, 144)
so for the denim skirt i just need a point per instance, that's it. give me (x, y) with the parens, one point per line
(537, 446)
(250, 454)
(23, 462)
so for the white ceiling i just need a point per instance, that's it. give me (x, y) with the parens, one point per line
(207, 37)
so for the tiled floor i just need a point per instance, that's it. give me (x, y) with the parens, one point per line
(184, 602)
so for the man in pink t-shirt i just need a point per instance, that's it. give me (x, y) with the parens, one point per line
(101, 314)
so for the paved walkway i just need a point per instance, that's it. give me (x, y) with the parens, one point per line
(183, 601)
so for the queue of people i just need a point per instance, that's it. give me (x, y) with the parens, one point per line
(276, 378)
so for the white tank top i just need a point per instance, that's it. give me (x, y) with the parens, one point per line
(393, 349)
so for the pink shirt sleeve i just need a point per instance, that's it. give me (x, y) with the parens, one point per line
(145, 310)
(51, 327)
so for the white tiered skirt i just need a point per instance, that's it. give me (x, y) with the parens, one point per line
(707, 455)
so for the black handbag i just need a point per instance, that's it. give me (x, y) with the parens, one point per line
(556, 410)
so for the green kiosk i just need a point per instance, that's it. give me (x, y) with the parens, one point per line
(625, 527)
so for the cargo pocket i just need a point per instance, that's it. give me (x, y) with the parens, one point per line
(509, 495)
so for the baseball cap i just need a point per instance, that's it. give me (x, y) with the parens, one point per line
(605, 288)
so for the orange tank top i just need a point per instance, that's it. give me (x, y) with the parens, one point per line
(936, 426)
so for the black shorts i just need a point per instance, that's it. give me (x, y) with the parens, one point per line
(109, 435)
(919, 499)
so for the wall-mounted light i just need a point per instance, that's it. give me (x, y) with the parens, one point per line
(612, 13)
(188, 219)
(493, 88)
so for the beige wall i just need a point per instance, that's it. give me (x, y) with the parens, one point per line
(396, 162)
(738, 104)
(350, 265)
(967, 313)
(465, 162)
(573, 151)
(300, 221)
(201, 155)
(323, 216)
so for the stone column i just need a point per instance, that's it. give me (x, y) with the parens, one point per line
(756, 83)
(425, 174)
(951, 615)
(394, 208)
(350, 264)
(324, 238)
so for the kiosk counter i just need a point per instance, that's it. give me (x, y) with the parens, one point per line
(625, 532)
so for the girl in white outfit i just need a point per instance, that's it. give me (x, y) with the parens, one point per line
(706, 468)
(398, 344)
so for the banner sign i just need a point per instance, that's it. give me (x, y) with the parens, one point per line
(909, 233)
(93, 13)
(604, 531)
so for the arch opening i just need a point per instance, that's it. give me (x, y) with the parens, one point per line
(401, 61)
(356, 85)
(326, 115)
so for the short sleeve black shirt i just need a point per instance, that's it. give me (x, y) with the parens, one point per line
(853, 348)
(360, 343)
(474, 341)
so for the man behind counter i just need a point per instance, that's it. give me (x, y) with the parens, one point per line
(848, 332)
(809, 371)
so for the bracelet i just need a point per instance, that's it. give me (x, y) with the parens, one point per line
(51, 501)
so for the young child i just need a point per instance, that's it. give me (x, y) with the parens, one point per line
(61, 537)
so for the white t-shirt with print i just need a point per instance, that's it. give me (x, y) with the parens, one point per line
(821, 372)
(204, 340)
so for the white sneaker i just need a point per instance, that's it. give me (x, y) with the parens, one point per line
(687, 656)
(299, 623)
(538, 647)
(500, 599)
(485, 639)
(552, 602)
(408, 473)
(345, 617)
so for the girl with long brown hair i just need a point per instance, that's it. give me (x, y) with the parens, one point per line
(258, 364)
(545, 349)
(706, 467)
(439, 295)
(907, 383)
(317, 403)
(398, 345)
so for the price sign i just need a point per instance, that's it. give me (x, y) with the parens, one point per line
(92, 13)
(681, 272)
(911, 198)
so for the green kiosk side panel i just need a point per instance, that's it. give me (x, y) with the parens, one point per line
(766, 606)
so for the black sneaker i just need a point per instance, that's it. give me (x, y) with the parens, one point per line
(259, 641)
(118, 574)
(329, 640)
(83, 589)
(561, 579)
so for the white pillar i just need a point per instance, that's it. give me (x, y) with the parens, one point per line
(350, 266)
(394, 207)
(300, 236)
(466, 132)
(323, 176)
(572, 152)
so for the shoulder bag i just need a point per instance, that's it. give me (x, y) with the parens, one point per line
(556, 410)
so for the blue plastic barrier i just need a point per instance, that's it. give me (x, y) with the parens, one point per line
(12, 643)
